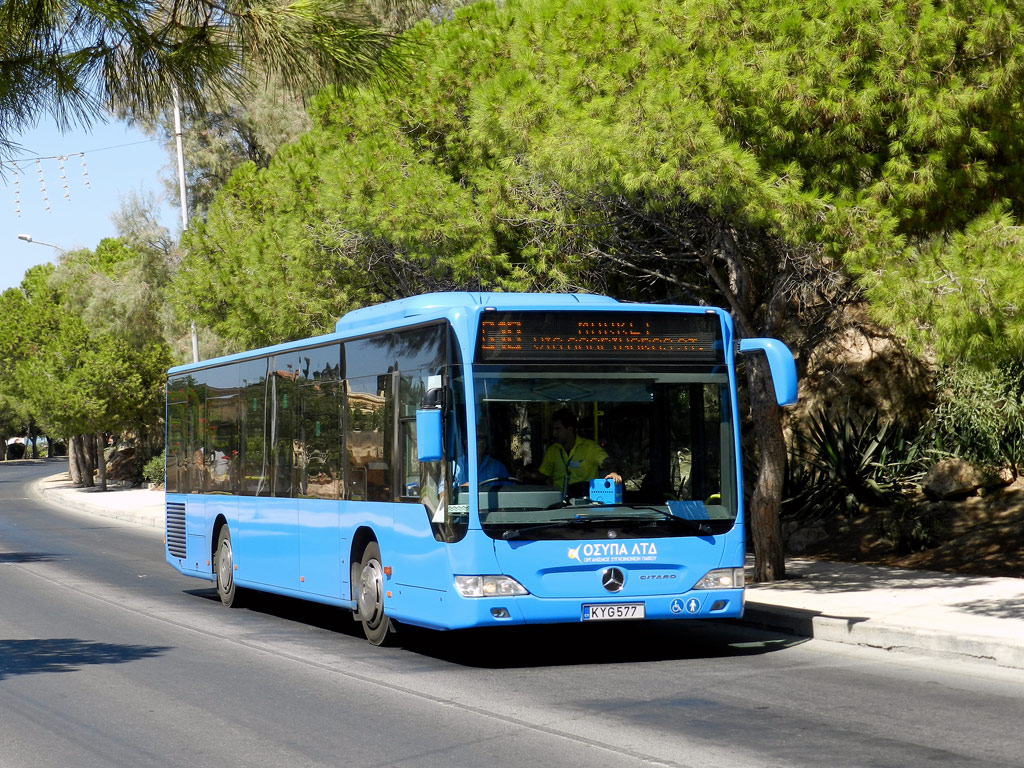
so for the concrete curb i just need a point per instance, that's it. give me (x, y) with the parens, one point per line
(874, 633)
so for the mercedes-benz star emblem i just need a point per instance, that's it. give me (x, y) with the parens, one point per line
(613, 579)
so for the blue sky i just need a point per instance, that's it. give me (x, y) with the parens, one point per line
(118, 160)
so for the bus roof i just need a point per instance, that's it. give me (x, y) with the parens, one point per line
(443, 304)
(433, 306)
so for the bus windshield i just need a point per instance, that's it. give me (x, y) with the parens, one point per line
(658, 445)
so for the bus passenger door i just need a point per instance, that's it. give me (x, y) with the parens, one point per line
(269, 525)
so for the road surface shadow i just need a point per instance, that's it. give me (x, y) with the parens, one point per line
(318, 615)
(608, 643)
(542, 645)
(30, 657)
(28, 557)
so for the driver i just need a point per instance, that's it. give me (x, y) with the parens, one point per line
(489, 467)
(572, 460)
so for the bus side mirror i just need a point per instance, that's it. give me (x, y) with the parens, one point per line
(781, 364)
(429, 436)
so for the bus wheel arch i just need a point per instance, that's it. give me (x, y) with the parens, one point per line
(218, 524)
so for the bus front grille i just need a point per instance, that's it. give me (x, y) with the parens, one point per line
(175, 528)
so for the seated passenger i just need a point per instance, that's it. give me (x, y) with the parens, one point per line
(573, 461)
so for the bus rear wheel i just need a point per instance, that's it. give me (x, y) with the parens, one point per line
(370, 596)
(224, 566)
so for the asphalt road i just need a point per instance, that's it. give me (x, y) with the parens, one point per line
(110, 658)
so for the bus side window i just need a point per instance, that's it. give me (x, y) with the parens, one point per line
(177, 453)
(253, 419)
(368, 468)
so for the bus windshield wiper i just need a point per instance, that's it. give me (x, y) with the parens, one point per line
(515, 533)
(700, 526)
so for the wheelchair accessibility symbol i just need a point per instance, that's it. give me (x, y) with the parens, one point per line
(690, 606)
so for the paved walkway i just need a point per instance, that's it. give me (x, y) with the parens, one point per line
(921, 611)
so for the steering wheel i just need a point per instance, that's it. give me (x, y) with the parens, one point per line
(513, 480)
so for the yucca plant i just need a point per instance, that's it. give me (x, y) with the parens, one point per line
(836, 465)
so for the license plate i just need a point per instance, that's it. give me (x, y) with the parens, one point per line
(613, 611)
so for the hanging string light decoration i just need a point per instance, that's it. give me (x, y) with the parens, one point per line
(42, 185)
(62, 168)
(17, 189)
(63, 176)
(85, 171)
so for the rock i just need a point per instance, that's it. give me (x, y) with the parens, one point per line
(992, 478)
(121, 466)
(951, 479)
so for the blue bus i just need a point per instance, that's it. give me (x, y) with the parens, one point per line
(458, 460)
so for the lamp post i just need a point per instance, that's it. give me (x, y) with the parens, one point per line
(30, 239)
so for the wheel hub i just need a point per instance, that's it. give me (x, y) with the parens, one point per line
(225, 565)
(371, 596)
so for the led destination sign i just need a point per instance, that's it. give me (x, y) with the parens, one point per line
(578, 336)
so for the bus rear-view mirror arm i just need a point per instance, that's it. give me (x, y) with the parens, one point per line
(781, 364)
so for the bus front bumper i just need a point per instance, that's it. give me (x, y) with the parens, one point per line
(463, 613)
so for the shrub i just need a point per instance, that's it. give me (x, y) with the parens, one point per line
(153, 471)
(979, 414)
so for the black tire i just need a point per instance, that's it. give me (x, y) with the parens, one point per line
(369, 594)
(224, 566)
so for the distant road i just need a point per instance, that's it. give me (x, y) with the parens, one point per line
(108, 657)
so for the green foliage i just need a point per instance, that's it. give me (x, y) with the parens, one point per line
(550, 144)
(117, 288)
(958, 293)
(853, 461)
(153, 470)
(29, 316)
(78, 348)
(979, 414)
(72, 60)
(284, 252)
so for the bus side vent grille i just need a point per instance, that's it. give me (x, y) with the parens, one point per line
(176, 528)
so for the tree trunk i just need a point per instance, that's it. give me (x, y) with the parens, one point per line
(85, 465)
(101, 460)
(766, 501)
(74, 466)
(32, 437)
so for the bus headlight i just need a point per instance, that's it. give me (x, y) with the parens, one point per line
(722, 578)
(488, 586)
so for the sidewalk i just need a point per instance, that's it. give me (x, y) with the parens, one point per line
(972, 617)
(919, 611)
(139, 506)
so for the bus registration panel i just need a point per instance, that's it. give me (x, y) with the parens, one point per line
(611, 611)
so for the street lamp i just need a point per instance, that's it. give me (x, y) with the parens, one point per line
(30, 239)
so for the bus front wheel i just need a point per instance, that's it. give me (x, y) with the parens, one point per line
(224, 567)
(370, 596)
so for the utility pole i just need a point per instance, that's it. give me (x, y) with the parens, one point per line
(184, 202)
